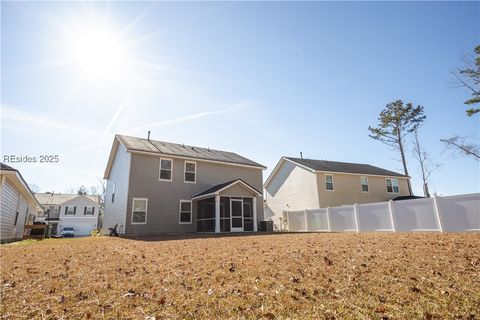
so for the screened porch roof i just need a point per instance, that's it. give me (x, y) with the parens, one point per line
(216, 190)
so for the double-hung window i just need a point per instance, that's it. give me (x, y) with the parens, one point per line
(139, 210)
(89, 211)
(185, 212)
(165, 170)
(329, 182)
(70, 211)
(190, 172)
(392, 186)
(364, 182)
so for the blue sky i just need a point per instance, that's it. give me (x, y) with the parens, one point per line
(261, 79)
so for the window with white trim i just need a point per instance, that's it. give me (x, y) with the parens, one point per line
(392, 186)
(364, 183)
(89, 211)
(139, 210)
(185, 212)
(165, 170)
(70, 211)
(190, 171)
(329, 182)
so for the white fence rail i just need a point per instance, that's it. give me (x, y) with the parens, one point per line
(443, 214)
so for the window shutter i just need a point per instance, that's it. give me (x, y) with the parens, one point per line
(74, 210)
(66, 209)
(93, 211)
(85, 211)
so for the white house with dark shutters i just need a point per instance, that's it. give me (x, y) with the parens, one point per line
(69, 210)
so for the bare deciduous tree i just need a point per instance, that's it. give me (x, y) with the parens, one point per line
(34, 187)
(426, 165)
(468, 77)
(461, 144)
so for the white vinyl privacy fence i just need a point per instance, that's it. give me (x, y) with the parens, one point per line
(443, 214)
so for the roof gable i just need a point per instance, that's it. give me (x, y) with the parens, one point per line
(58, 198)
(344, 167)
(135, 144)
(20, 183)
(224, 186)
(333, 166)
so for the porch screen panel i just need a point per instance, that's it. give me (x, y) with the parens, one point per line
(224, 214)
(206, 215)
(248, 214)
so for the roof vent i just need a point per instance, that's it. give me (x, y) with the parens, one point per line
(301, 155)
(148, 136)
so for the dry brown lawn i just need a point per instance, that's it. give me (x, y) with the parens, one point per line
(280, 276)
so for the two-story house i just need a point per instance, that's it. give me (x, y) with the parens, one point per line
(299, 184)
(69, 210)
(160, 187)
(18, 205)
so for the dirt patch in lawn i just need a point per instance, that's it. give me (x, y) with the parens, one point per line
(288, 276)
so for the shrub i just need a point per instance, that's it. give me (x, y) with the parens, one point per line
(96, 233)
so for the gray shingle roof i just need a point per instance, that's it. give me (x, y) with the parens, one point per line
(334, 166)
(3, 166)
(58, 198)
(175, 149)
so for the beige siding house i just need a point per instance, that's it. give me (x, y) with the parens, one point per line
(299, 184)
(158, 187)
(18, 205)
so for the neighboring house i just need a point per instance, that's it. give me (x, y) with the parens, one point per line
(18, 205)
(298, 184)
(69, 210)
(159, 187)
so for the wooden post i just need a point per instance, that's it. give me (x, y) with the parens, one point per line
(437, 211)
(390, 209)
(328, 220)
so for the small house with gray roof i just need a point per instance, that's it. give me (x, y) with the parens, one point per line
(74, 211)
(302, 184)
(156, 187)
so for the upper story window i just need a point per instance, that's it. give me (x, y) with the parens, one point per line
(190, 171)
(89, 211)
(139, 210)
(165, 170)
(185, 212)
(329, 182)
(364, 182)
(70, 211)
(392, 186)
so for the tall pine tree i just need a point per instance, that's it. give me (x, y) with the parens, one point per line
(395, 122)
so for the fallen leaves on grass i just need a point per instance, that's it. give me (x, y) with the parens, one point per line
(280, 276)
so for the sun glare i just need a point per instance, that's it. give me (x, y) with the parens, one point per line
(97, 53)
